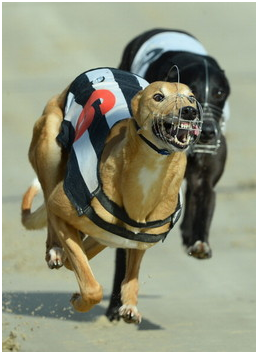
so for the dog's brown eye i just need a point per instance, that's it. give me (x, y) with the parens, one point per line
(158, 97)
(218, 93)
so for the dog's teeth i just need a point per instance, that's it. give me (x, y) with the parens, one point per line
(185, 126)
(186, 141)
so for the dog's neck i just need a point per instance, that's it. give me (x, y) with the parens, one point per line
(162, 151)
(138, 178)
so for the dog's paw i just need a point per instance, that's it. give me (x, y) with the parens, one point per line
(130, 314)
(55, 257)
(112, 313)
(199, 250)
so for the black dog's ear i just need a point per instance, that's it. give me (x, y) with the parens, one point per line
(158, 70)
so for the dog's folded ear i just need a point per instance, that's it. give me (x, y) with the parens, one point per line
(135, 103)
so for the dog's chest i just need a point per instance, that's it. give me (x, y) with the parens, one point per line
(148, 179)
(152, 186)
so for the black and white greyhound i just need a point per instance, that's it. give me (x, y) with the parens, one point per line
(152, 55)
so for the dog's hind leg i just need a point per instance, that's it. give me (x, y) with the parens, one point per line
(130, 287)
(37, 220)
(48, 161)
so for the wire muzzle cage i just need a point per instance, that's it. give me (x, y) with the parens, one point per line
(174, 125)
(210, 112)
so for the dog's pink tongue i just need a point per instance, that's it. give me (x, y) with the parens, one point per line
(196, 130)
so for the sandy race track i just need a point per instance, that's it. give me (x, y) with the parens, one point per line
(187, 305)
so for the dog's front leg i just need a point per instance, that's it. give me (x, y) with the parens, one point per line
(90, 290)
(200, 203)
(202, 221)
(130, 287)
(202, 174)
(115, 303)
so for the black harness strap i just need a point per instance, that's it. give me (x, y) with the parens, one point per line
(122, 232)
(121, 214)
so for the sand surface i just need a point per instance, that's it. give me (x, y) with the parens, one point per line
(187, 305)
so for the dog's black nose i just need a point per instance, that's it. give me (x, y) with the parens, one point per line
(208, 131)
(188, 113)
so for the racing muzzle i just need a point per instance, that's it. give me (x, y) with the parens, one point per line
(181, 130)
(210, 137)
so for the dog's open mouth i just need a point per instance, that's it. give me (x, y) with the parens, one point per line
(177, 132)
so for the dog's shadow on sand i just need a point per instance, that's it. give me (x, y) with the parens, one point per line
(56, 305)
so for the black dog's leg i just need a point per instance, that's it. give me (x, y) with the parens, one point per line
(202, 174)
(197, 218)
(115, 303)
(189, 213)
(202, 204)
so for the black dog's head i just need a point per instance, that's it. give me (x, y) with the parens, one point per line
(208, 83)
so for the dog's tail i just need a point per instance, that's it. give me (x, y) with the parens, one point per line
(38, 218)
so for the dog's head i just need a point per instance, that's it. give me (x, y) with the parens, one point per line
(209, 85)
(211, 88)
(167, 115)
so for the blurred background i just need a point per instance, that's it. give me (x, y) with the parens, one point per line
(187, 305)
